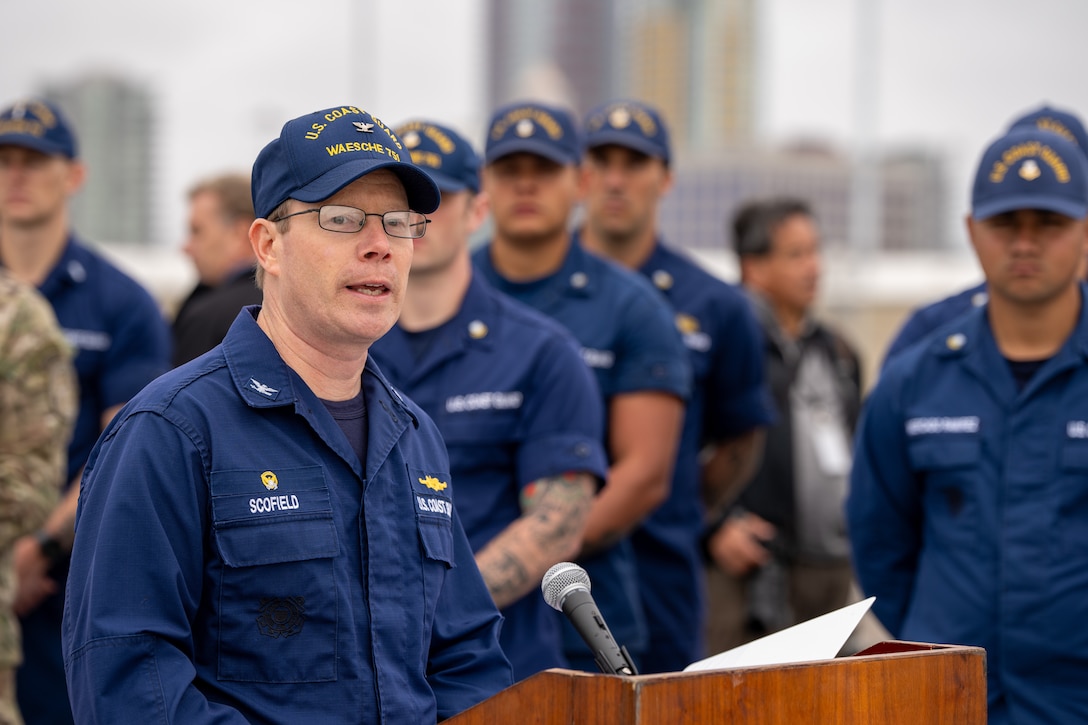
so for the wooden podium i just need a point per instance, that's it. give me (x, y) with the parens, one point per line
(892, 682)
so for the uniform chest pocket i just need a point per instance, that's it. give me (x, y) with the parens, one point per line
(481, 441)
(434, 514)
(1074, 458)
(944, 453)
(481, 427)
(949, 466)
(1071, 495)
(1074, 476)
(276, 600)
(434, 522)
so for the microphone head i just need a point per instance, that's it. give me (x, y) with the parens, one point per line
(562, 579)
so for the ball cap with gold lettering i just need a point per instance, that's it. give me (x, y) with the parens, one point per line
(320, 153)
(37, 125)
(628, 123)
(1030, 168)
(1064, 123)
(443, 153)
(534, 128)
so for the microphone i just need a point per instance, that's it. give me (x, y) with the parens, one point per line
(566, 588)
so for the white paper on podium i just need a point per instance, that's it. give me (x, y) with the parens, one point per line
(819, 638)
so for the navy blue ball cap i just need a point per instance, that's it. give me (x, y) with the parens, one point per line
(1030, 168)
(443, 153)
(320, 153)
(37, 125)
(534, 128)
(1063, 123)
(631, 124)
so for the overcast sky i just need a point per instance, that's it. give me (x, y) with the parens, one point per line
(947, 74)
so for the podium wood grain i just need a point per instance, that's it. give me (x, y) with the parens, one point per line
(893, 682)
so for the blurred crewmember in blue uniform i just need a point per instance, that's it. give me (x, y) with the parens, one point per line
(517, 407)
(121, 342)
(928, 318)
(625, 330)
(625, 174)
(968, 510)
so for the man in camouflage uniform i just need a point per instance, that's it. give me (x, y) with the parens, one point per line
(37, 409)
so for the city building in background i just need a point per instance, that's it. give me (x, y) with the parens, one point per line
(698, 61)
(560, 52)
(693, 57)
(712, 46)
(114, 123)
(709, 188)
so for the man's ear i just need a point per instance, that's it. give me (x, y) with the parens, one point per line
(583, 179)
(480, 207)
(969, 222)
(77, 174)
(1082, 271)
(264, 237)
(670, 179)
(753, 271)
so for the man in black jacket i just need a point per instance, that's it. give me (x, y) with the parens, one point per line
(781, 555)
(220, 213)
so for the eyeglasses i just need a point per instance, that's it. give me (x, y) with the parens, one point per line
(348, 220)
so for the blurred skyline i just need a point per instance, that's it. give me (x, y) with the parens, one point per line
(944, 75)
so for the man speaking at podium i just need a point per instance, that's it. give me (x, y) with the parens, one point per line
(267, 534)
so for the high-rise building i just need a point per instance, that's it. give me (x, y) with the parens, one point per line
(709, 189)
(560, 51)
(693, 58)
(698, 61)
(114, 123)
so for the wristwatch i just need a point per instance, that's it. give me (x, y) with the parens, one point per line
(49, 546)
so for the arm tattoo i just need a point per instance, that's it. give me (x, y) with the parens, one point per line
(554, 512)
(508, 577)
(558, 505)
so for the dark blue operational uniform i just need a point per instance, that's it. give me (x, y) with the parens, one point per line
(514, 403)
(236, 562)
(928, 318)
(729, 398)
(968, 512)
(122, 343)
(630, 342)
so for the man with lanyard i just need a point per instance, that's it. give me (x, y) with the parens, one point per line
(517, 407)
(625, 174)
(780, 555)
(626, 333)
(968, 511)
(122, 343)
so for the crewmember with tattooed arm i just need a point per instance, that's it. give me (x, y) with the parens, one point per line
(518, 408)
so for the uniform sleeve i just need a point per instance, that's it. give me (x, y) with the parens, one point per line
(651, 355)
(140, 350)
(466, 663)
(127, 637)
(737, 396)
(564, 417)
(37, 409)
(883, 509)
